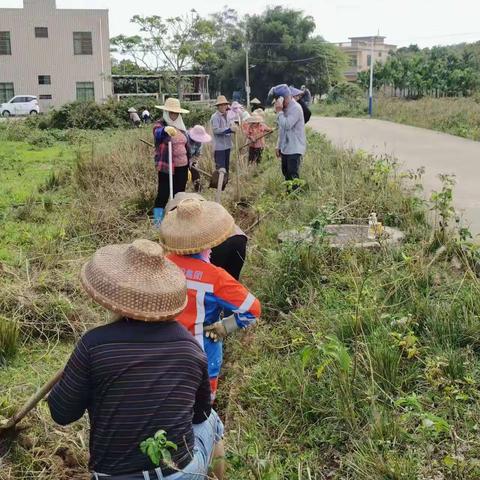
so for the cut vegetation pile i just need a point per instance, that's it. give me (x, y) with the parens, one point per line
(364, 365)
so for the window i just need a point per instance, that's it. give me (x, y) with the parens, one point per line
(82, 43)
(41, 32)
(5, 46)
(353, 60)
(85, 91)
(20, 100)
(379, 54)
(45, 97)
(6, 92)
(369, 60)
(44, 80)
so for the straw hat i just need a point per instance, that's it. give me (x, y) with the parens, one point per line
(259, 112)
(199, 134)
(222, 100)
(136, 281)
(255, 118)
(132, 110)
(255, 101)
(172, 105)
(172, 204)
(195, 226)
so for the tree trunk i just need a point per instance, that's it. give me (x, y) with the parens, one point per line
(180, 86)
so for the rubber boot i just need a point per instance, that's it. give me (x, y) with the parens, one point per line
(158, 216)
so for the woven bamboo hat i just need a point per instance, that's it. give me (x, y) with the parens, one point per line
(194, 226)
(172, 105)
(173, 203)
(255, 101)
(136, 281)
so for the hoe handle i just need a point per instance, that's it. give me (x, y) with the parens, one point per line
(33, 401)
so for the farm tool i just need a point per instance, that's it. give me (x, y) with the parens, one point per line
(8, 429)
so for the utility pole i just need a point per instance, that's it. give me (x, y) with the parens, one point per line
(370, 92)
(247, 76)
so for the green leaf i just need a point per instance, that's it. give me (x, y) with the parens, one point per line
(449, 461)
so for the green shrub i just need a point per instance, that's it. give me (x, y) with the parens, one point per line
(84, 115)
(346, 92)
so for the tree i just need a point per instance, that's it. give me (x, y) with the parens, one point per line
(284, 49)
(172, 45)
(439, 71)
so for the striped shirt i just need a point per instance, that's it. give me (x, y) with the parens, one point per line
(134, 378)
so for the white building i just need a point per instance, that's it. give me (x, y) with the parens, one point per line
(59, 55)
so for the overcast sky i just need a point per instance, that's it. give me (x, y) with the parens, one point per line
(425, 22)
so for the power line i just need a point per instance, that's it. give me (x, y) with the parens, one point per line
(287, 61)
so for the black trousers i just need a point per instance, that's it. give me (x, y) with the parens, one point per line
(255, 155)
(291, 166)
(180, 178)
(230, 255)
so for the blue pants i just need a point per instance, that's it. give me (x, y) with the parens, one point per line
(207, 434)
(222, 159)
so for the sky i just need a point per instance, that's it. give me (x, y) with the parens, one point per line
(424, 22)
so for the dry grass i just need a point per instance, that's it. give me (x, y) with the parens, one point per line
(457, 116)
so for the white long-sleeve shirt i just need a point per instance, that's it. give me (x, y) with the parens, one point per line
(291, 130)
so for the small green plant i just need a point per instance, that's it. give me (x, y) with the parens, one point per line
(157, 448)
(442, 203)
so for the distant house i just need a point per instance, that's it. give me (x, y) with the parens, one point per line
(59, 55)
(359, 51)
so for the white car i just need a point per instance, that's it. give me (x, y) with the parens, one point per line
(20, 105)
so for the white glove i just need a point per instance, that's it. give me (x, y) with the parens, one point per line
(219, 330)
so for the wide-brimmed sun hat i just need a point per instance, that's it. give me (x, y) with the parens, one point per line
(198, 134)
(255, 118)
(259, 112)
(172, 105)
(136, 281)
(255, 101)
(173, 203)
(195, 226)
(222, 100)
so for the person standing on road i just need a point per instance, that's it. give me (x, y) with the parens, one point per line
(170, 129)
(292, 142)
(223, 129)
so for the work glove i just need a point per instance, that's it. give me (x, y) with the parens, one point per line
(219, 330)
(170, 131)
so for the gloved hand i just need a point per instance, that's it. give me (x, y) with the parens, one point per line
(170, 131)
(219, 330)
(216, 331)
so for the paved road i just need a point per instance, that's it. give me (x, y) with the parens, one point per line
(414, 148)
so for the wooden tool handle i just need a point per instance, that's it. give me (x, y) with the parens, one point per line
(33, 401)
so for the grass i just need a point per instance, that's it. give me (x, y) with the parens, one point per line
(364, 366)
(456, 116)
